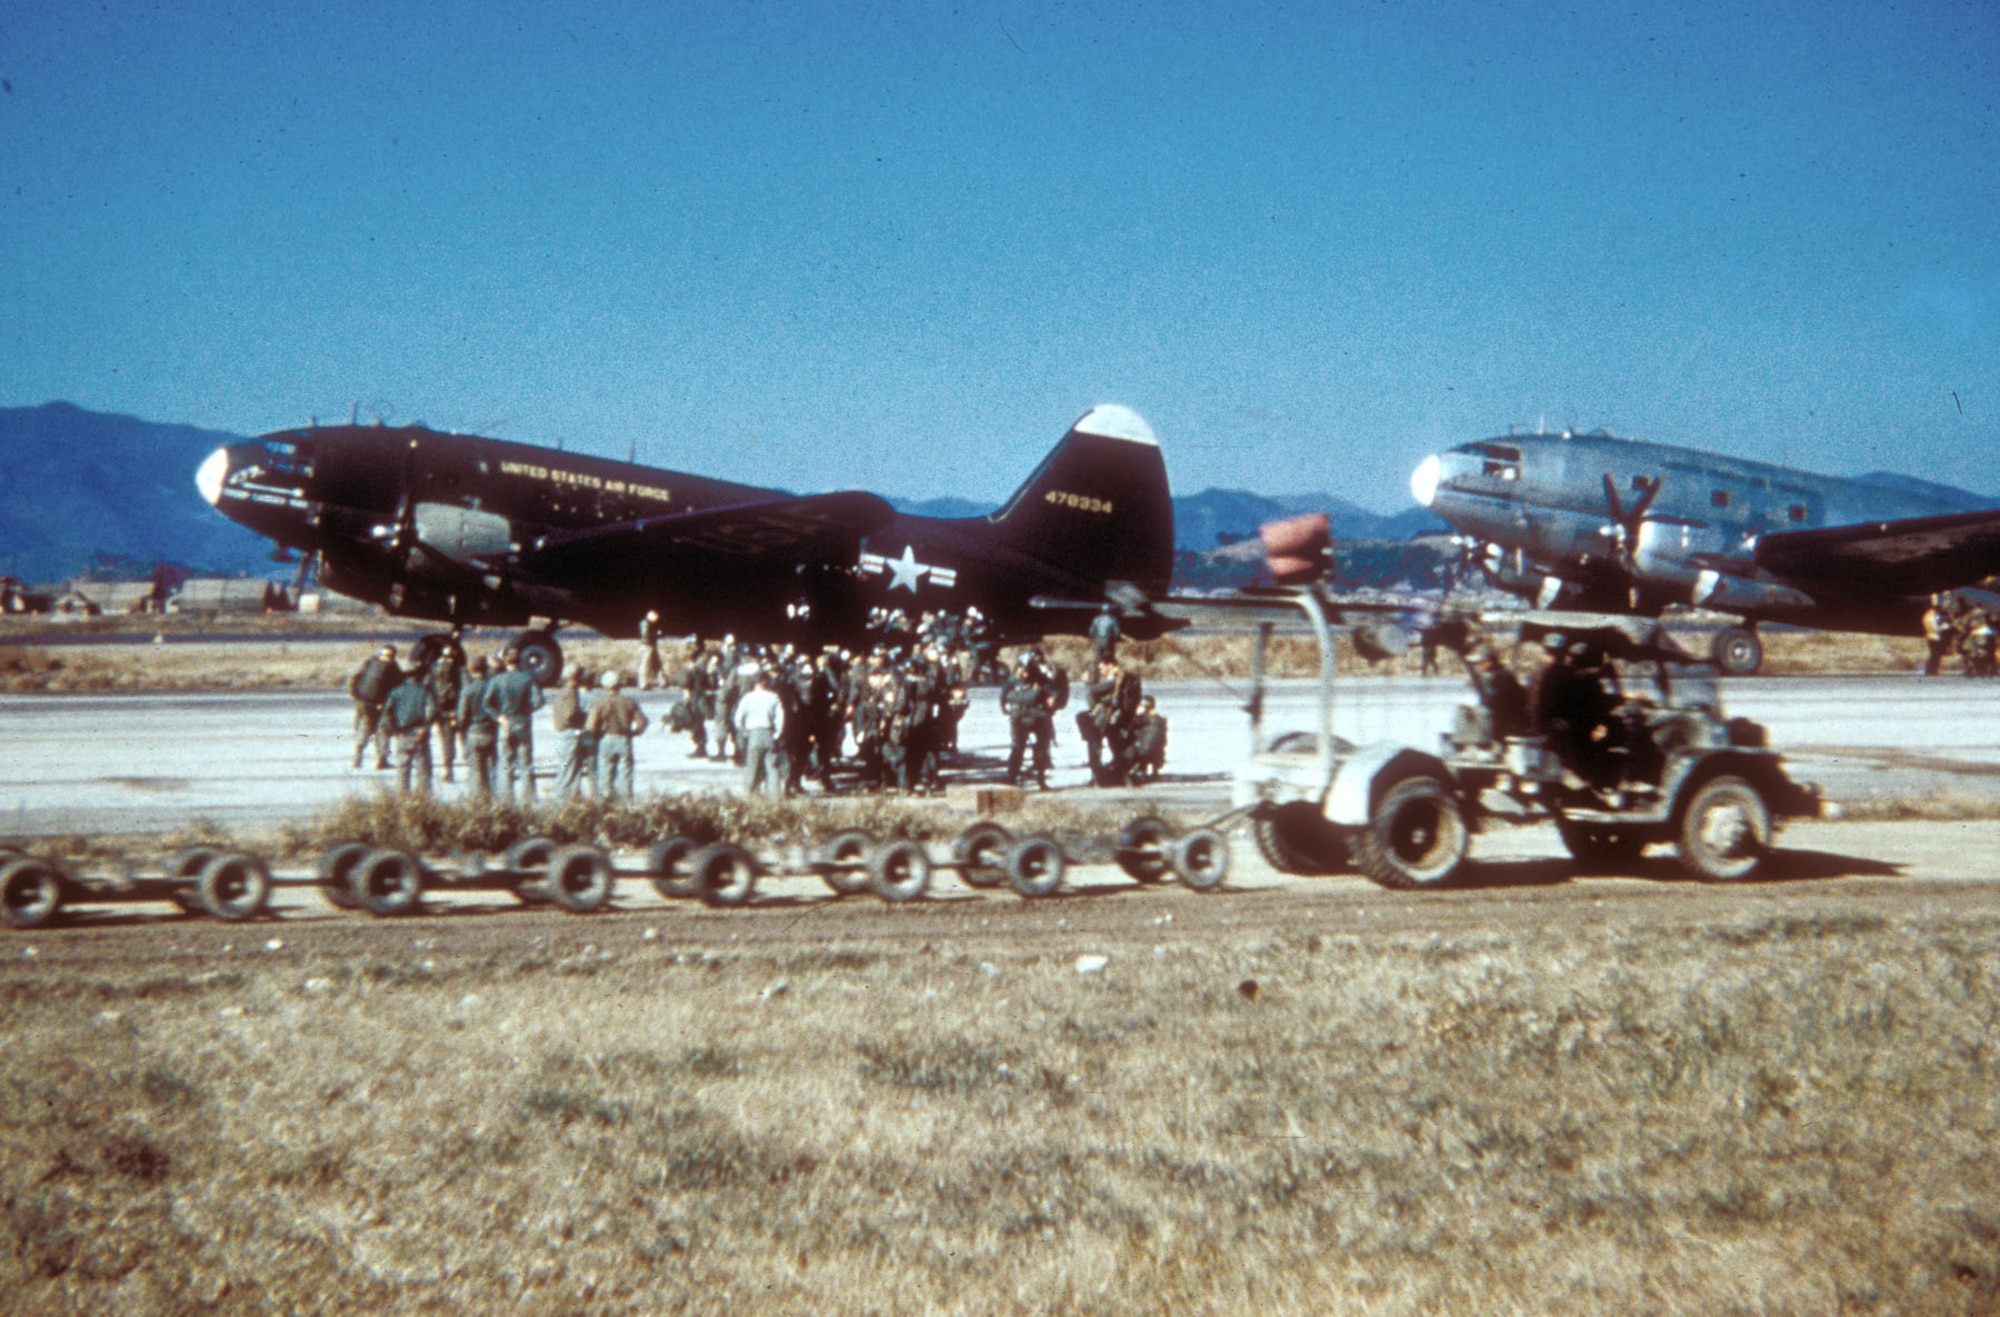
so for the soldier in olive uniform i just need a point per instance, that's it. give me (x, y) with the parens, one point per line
(407, 716)
(1027, 703)
(1106, 724)
(370, 686)
(444, 681)
(511, 700)
(1149, 742)
(576, 752)
(481, 732)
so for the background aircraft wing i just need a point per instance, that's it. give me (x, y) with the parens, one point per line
(1917, 555)
(769, 532)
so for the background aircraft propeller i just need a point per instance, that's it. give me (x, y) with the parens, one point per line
(1625, 522)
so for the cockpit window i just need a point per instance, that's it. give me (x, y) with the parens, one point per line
(1504, 452)
(283, 457)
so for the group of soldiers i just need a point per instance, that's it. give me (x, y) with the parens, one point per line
(1955, 623)
(786, 715)
(487, 708)
(1123, 731)
(886, 719)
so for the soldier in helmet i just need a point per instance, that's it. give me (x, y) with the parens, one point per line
(370, 686)
(1029, 707)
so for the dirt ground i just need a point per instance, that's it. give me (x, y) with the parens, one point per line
(1541, 1093)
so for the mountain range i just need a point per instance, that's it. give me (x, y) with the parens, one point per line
(84, 491)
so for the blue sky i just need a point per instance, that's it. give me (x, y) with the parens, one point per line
(901, 246)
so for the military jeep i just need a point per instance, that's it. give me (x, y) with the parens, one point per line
(1660, 763)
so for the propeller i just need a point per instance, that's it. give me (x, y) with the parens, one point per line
(1625, 522)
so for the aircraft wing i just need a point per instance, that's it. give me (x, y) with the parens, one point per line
(767, 532)
(1917, 555)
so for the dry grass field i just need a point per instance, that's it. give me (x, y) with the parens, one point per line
(1612, 1097)
(293, 654)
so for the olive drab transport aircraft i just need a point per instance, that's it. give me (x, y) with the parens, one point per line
(1592, 521)
(459, 529)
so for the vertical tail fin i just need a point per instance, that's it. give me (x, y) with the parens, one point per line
(1097, 508)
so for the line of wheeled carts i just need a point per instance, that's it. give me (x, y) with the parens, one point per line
(579, 878)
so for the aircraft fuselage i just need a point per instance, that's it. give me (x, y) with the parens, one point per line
(1553, 532)
(458, 528)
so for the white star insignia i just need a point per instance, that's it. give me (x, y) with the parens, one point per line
(906, 571)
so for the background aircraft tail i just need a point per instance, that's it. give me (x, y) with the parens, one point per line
(1097, 508)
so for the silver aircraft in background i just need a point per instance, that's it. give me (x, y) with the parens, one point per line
(1592, 521)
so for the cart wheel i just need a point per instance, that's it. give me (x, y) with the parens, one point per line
(900, 871)
(234, 888)
(190, 862)
(669, 862)
(579, 879)
(843, 862)
(389, 882)
(1201, 859)
(724, 873)
(981, 853)
(336, 873)
(1145, 848)
(530, 855)
(30, 893)
(1035, 866)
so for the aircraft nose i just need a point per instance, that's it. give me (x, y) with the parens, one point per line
(209, 475)
(1424, 480)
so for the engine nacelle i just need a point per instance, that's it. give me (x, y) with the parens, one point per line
(1740, 594)
(1664, 551)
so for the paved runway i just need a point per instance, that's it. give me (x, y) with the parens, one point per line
(75, 763)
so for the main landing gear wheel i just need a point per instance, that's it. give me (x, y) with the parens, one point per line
(1738, 651)
(1416, 838)
(1296, 838)
(1725, 830)
(541, 656)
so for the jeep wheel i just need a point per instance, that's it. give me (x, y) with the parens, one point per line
(1725, 830)
(1416, 837)
(1296, 838)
